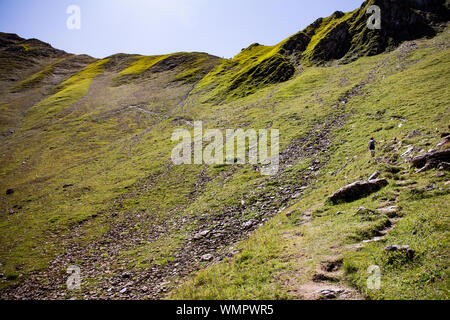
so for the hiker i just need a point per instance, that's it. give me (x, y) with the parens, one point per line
(372, 147)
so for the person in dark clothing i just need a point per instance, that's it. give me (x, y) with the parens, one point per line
(372, 147)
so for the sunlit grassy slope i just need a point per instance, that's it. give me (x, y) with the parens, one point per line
(102, 137)
(405, 84)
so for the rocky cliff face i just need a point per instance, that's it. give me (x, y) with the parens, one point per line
(342, 36)
(347, 35)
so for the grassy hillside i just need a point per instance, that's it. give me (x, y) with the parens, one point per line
(85, 157)
(284, 257)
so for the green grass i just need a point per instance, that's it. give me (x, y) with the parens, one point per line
(249, 275)
(68, 92)
(85, 134)
(142, 64)
(425, 222)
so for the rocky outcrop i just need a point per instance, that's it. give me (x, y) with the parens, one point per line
(433, 159)
(341, 36)
(357, 190)
(296, 43)
(347, 36)
(401, 20)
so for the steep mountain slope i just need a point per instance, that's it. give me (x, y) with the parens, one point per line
(87, 177)
(341, 36)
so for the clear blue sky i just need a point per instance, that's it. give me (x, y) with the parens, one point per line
(219, 27)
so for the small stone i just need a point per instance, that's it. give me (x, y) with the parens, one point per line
(207, 257)
(329, 294)
(414, 134)
(405, 183)
(126, 275)
(248, 224)
(388, 210)
(374, 176)
(201, 234)
(123, 290)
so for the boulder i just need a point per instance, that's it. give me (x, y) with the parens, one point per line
(357, 190)
(431, 160)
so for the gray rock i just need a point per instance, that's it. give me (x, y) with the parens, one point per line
(201, 234)
(329, 294)
(405, 183)
(431, 160)
(207, 257)
(389, 211)
(357, 190)
(407, 152)
(365, 211)
(374, 175)
(415, 133)
(248, 224)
